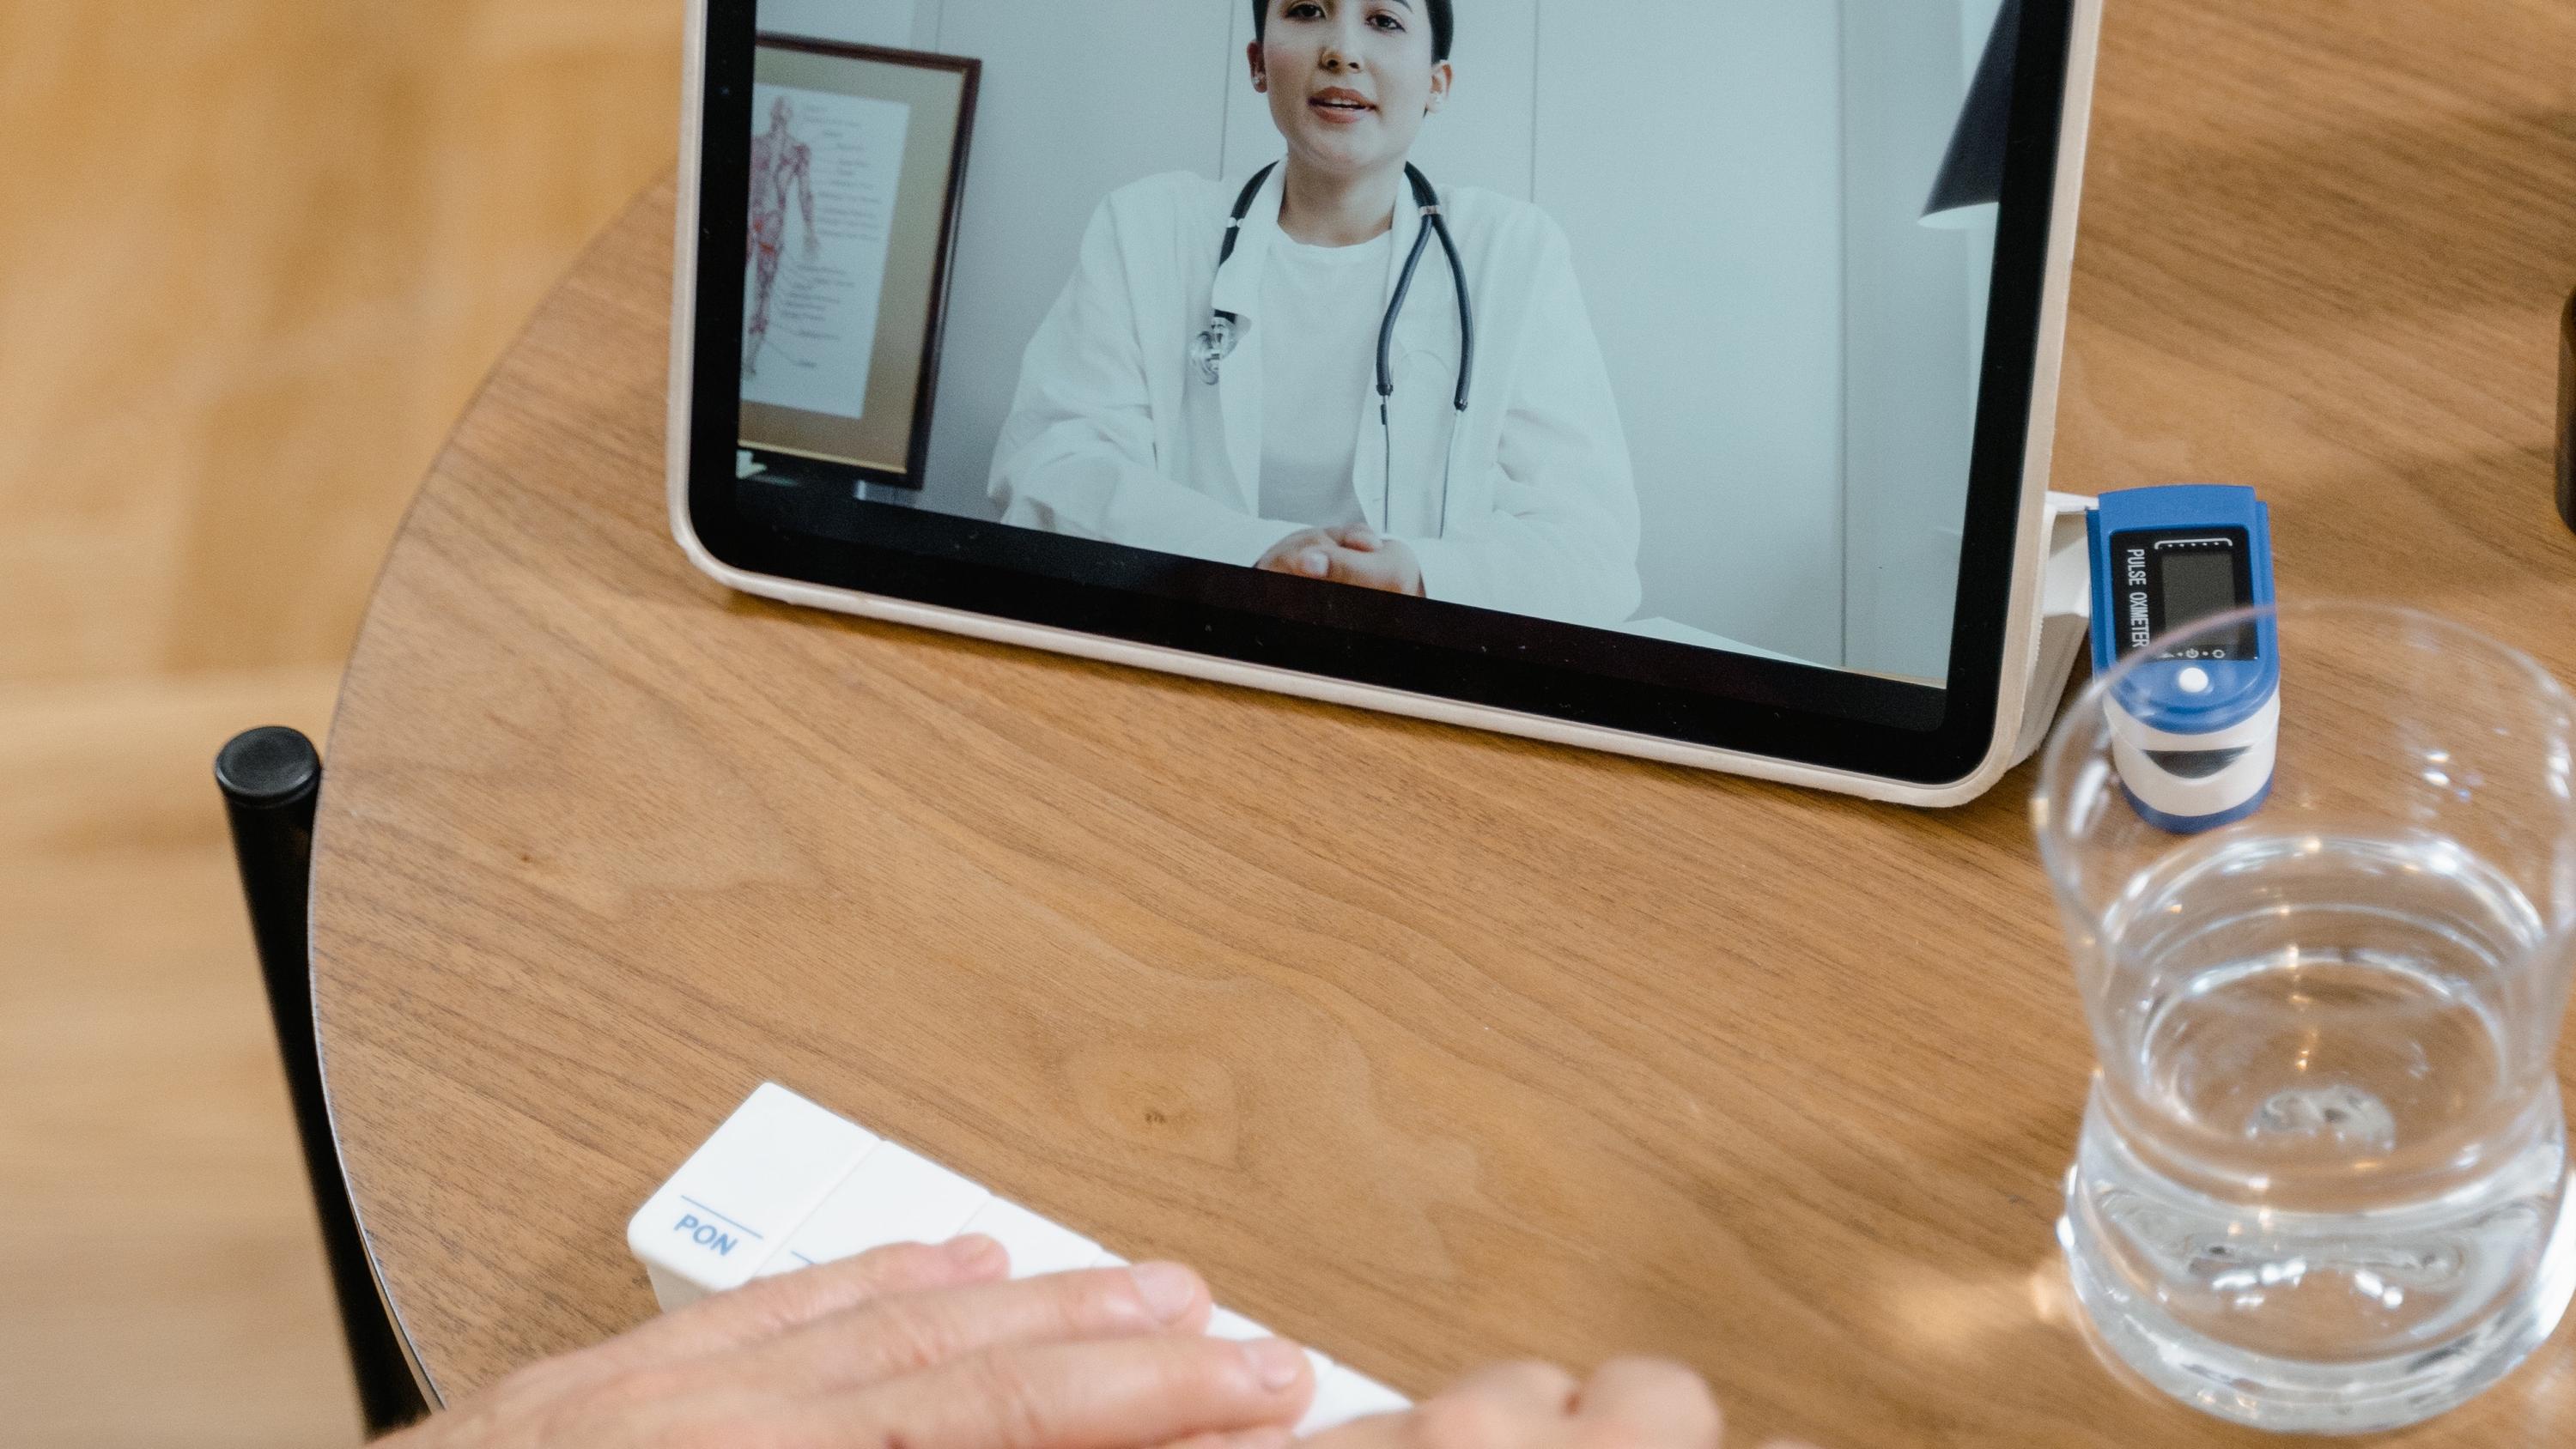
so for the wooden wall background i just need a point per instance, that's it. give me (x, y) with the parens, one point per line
(254, 257)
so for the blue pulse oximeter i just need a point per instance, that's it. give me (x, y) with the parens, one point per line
(2195, 731)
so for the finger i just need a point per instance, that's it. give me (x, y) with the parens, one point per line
(1652, 1401)
(769, 1307)
(1363, 539)
(1079, 1396)
(1269, 1436)
(1362, 570)
(1318, 563)
(1529, 1388)
(892, 1336)
(1507, 1406)
(1282, 555)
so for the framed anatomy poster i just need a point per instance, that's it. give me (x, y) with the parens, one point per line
(858, 154)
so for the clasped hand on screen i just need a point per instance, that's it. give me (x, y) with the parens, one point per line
(916, 1347)
(1353, 555)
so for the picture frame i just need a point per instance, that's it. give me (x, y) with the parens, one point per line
(895, 216)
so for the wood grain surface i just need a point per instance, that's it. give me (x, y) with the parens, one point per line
(1428, 1046)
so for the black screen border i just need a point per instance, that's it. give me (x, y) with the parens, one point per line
(1801, 714)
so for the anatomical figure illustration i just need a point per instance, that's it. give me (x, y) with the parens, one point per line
(782, 168)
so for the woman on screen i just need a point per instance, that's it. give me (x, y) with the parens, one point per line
(1278, 371)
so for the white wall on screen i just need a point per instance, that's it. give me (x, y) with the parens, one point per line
(1917, 308)
(900, 24)
(1691, 150)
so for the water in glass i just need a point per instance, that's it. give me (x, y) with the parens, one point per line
(2318, 1171)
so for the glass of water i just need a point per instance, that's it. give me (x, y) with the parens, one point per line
(2322, 1184)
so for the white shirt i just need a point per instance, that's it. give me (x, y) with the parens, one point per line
(1321, 308)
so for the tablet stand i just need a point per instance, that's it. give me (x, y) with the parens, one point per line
(2065, 619)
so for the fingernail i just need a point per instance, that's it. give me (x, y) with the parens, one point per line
(1314, 565)
(1276, 1361)
(973, 1251)
(1169, 1290)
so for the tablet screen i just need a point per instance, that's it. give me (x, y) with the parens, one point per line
(1663, 322)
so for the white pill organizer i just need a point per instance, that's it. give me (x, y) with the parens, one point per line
(785, 1185)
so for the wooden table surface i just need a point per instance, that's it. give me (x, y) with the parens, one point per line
(1427, 1045)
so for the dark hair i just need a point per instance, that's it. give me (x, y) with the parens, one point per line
(1444, 25)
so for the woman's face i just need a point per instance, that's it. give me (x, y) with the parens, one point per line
(1349, 81)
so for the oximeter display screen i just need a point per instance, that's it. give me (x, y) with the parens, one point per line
(2172, 579)
(2197, 585)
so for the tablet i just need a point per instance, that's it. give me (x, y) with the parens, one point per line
(1673, 379)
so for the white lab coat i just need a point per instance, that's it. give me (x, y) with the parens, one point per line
(1115, 433)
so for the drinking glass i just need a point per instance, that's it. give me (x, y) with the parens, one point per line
(2322, 1183)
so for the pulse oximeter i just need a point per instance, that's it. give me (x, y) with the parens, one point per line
(2195, 728)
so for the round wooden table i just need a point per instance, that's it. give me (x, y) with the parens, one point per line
(1426, 1045)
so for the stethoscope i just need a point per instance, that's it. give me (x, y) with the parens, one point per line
(1224, 329)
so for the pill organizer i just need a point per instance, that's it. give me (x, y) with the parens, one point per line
(785, 1184)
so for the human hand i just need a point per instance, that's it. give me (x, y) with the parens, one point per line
(1307, 553)
(923, 1347)
(1358, 556)
(1371, 560)
(1630, 1403)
